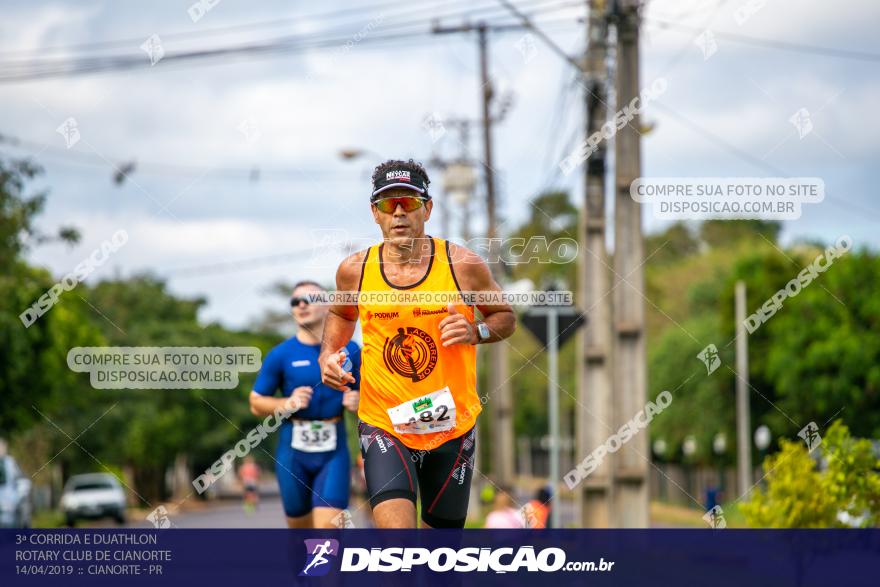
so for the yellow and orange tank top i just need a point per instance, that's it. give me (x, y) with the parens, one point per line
(405, 371)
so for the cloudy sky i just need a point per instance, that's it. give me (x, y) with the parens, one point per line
(238, 167)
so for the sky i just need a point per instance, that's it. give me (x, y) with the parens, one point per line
(199, 216)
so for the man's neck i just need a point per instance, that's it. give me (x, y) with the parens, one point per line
(408, 252)
(310, 334)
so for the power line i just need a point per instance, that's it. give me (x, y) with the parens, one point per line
(550, 42)
(688, 48)
(128, 43)
(775, 44)
(745, 156)
(287, 44)
(388, 41)
(556, 149)
(241, 265)
(166, 169)
(350, 12)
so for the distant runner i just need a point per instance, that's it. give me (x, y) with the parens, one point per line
(249, 473)
(312, 460)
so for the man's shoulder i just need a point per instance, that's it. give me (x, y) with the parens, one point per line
(460, 254)
(285, 346)
(275, 354)
(470, 269)
(354, 261)
(348, 273)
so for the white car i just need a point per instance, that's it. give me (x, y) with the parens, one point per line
(93, 496)
(15, 495)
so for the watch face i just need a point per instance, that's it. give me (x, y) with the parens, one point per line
(483, 331)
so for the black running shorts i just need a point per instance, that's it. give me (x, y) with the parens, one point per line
(442, 476)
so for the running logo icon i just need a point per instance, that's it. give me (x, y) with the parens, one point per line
(412, 353)
(319, 550)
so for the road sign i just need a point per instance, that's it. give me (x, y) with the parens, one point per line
(569, 319)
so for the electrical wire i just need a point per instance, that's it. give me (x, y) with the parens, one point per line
(776, 44)
(39, 69)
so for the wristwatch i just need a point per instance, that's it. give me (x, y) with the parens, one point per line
(482, 331)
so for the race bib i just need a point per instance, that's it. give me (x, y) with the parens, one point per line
(314, 435)
(427, 414)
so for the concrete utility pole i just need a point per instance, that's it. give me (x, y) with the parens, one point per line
(743, 423)
(630, 492)
(500, 401)
(594, 341)
(501, 404)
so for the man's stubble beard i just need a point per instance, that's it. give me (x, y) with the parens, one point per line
(314, 327)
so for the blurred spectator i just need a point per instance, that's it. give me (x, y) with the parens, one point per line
(249, 473)
(538, 509)
(503, 514)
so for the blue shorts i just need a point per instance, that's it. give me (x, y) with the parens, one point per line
(312, 479)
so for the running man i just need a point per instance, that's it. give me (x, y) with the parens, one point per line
(419, 401)
(320, 552)
(249, 473)
(312, 460)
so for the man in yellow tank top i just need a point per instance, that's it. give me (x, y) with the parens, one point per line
(416, 298)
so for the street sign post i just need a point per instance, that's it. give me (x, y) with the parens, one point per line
(552, 326)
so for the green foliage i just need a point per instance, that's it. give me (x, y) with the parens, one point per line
(149, 428)
(46, 405)
(721, 233)
(820, 352)
(17, 210)
(672, 245)
(674, 367)
(33, 360)
(818, 357)
(794, 496)
(798, 495)
(829, 336)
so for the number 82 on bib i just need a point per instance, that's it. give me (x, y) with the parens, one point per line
(427, 414)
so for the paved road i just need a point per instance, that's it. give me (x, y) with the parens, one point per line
(231, 514)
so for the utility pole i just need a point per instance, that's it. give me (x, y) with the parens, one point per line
(630, 492)
(500, 401)
(501, 404)
(458, 180)
(743, 424)
(594, 341)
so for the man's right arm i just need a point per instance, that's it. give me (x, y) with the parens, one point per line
(262, 399)
(340, 323)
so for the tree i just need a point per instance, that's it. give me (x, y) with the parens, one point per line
(819, 355)
(672, 245)
(800, 495)
(825, 353)
(32, 358)
(721, 233)
(674, 367)
(148, 428)
(46, 404)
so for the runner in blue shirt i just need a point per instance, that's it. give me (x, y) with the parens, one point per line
(312, 460)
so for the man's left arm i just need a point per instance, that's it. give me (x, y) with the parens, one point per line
(474, 276)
